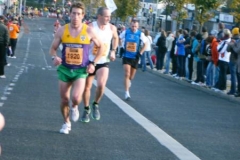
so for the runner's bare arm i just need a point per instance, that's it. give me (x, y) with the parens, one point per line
(56, 42)
(114, 43)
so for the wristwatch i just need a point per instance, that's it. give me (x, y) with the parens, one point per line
(114, 50)
(53, 57)
(93, 63)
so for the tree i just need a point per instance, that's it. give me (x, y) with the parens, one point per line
(235, 7)
(204, 9)
(126, 8)
(92, 5)
(180, 13)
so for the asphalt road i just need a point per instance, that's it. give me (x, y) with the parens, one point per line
(166, 119)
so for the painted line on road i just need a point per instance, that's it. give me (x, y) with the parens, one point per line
(15, 79)
(166, 140)
(44, 57)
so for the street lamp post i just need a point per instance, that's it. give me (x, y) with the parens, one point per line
(20, 8)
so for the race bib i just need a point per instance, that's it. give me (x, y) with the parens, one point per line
(74, 56)
(105, 50)
(131, 47)
(11, 28)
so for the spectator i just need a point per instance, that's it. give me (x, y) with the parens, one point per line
(188, 56)
(147, 52)
(169, 42)
(4, 39)
(212, 58)
(180, 54)
(223, 61)
(162, 49)
(220, 34)
(233, 61)
(194, 50)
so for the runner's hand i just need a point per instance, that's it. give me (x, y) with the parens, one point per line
(112, 55)
(90, 68)
(57, 61)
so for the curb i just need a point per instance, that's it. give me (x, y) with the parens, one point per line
(203, 89)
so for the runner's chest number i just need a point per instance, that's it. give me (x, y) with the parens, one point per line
(131, 47)
(105, 50)
(74, 56)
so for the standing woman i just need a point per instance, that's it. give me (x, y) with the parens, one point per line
(162, 49)
(147, 52)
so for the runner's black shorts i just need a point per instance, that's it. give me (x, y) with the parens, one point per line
(133, 62)
(97, 67)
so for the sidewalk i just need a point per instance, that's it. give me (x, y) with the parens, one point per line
(203, 88)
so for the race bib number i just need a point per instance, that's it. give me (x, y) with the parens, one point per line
(74, 56)
(105, 50)
(131, 47)
(11, 28)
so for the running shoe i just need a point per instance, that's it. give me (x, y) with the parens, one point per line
(127, 96)
(74, 114)
(95, 112)
(66, 127)
(85, 117)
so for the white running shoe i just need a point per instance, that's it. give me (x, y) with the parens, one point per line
(127, 96)
(74, 114)
(66, 127)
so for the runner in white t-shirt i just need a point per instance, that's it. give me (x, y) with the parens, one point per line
(107, 33)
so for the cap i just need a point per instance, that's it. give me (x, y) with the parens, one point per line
(235, 31)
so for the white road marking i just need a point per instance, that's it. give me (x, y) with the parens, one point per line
(10, 89)
(4, 98)
(44, 57)
(7, 88)
(162, 137)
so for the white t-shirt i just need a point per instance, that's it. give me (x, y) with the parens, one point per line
(149, 42)
(106, 37)
(224, 55)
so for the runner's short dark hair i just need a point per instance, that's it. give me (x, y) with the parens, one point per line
(101, 10)
(78, 5)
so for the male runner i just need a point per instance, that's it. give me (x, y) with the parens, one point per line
(107, 32)
(74, 65)
(132, 40)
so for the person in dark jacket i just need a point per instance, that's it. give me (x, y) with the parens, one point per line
(162, 49)
(4, 40)
(174, 58)
(233, 62)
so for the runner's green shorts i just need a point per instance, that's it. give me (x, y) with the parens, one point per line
(69, 75)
